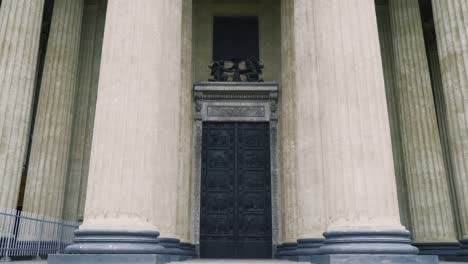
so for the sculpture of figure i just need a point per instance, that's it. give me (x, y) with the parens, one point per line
(253, 71)
(249, 73)
(218, 72)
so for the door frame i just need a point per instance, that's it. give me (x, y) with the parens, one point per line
(234, 102)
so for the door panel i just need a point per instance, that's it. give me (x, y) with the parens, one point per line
(235, 195)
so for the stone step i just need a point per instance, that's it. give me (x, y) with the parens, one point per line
(239, 261)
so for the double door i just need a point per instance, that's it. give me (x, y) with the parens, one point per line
(235, 215)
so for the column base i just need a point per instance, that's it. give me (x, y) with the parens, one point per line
(189, 249)
(178, 251)
(286, 251)
(115, 242)
(438, 248)
(109, 259)
(121, 246)
(383, 242)
(309, 246)
(371, 259)
(463, 251)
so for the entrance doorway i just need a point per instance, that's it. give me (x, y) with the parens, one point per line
(235, 214)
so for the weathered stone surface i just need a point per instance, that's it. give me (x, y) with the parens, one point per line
(356, 146)
(386, 48)
(304, 200)
(92, 102)
(452, 38)
(79, 153)
(109, 259)
(134, 158)
(429, 199)
(373, 259)
(288, 166)
(20, 28)
(47, 170)
(185, 118)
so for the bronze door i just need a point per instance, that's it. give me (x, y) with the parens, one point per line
(235, 192)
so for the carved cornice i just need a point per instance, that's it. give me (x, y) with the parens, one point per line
(235, 100)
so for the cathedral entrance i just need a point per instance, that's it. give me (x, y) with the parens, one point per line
(235, 215)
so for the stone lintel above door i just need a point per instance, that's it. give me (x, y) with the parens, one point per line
(236, 101)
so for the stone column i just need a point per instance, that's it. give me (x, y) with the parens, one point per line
(433, 225)
(132, 184)
(79, 153)
(386, 48)
(301, 128)
(363, 215)
(287, 121)
(452, 38)
(441, 109)
(184, 223)
(101, 19)
(45, 185)
(20, 28)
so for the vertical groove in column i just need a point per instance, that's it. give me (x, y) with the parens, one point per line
(20, 28)
(45, 185)
(82, 106)
(288, 126)
(356, 143)
(186, 123)
(386, 47)
(451, 22)
(428, 189)
(96, 65)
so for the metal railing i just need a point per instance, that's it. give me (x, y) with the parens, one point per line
(24, 234)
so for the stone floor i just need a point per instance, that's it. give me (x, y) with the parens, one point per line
(239, 261)
(214, 261)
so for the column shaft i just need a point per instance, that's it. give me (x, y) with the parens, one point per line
(356, 145)
(428, 189)
(301, 135)
(452, 38)
(96, 65)
(45, 185)
(132, 185)
(441, 109)
(20, 28)
(287, 121)
(79, 152)
(386, 48)
(184, 224)
(357, 153)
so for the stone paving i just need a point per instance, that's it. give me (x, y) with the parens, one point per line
(212, 261)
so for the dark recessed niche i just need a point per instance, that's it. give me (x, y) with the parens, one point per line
(235, 37)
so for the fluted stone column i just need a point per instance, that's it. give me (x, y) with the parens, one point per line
(356, 136)
(132, 184)
(45, 185)
(184, 223)
(288, 166)
(431, 212)
(386, 48)
(361, 197)
(101, 19)
(20, 28)
(79, 153)
(441, 109)
(452, 38)
(301, 129)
